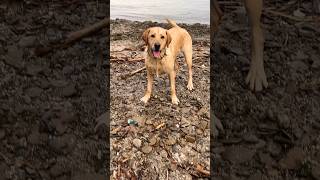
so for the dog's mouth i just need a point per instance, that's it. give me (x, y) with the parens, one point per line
(156, 53)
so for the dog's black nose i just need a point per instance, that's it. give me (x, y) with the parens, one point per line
(157, 47)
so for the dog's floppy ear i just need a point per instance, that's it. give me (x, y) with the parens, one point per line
(168, 38)
(145, 35)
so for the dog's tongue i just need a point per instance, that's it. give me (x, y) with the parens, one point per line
(156, 54)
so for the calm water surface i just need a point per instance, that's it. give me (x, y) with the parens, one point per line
(183, 11)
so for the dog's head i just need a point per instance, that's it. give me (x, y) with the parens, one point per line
(157, 39)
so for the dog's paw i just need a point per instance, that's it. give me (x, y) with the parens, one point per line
(145, 99)
(256, 78)
(175, 100)
(190, 86)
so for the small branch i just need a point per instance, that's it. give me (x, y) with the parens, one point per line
(73, 37)
(200, 169)
(133, 72)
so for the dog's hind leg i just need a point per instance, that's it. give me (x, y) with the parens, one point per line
(256, 76)
(187, 52)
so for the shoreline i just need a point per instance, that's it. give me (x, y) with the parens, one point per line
(162, 22)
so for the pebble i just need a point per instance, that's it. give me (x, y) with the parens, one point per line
(238, 154)
(298, 13)
(251, 138)
(315, 172)
(27, 41)
(149, 122)
(170, 141)
(33, 70)
(137, 143)
(163, 153)
(153, 141)
(34, 92)
(146, 149)
(69, 90)
(14, 57)
(2, 133)
(293, 159)
(256, 176)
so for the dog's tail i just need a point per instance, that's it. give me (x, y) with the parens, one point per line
(172, 23)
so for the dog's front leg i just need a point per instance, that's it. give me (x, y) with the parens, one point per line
(256, 76)
(172, 78)
(147, 95)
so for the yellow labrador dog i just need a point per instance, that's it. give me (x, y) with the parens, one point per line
(162, 49)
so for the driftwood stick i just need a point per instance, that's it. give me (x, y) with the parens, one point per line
(73, 37)
(136, 71)
(133, 72)
(200, 169)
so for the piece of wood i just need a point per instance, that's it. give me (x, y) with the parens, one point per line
(133, 72)
(73, 37)
(200, 169)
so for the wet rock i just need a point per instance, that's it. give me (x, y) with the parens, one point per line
(298, 13)
(273, 148)
(67, 70)
(266, 159)
(163, 154)
(44, 84)
(70, 90)
(33, 70)
(293, 159)
(14, 57)
(237, 51)
(146, 149)
(298, 66)
(36, 138)
(91, 92)
(256, 176)
(63, 144)
(2, 134)
(238, 154)
(59, 126)
(251, 138)
(137, 143)
(27, 41)
(58, 83)
(61, 123)
(57, 170)
(153, 141)
(34, 92)
(170, 141)
(315, 60)
(316, 172)
(283, 120)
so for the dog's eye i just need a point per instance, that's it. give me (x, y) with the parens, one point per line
(152, 35)
(162, 37)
